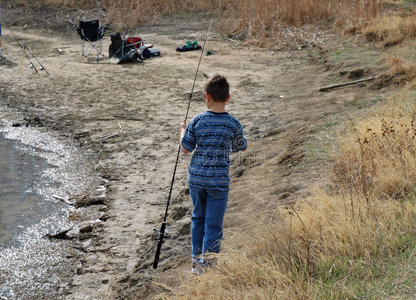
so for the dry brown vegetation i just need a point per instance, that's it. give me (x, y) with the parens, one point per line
(264, 22)
(391, 30)
(377, 159)
(260, 21)
(397, 32)
(401, 64)
(268, 19)
(52, 3)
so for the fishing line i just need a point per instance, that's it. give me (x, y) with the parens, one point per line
(163, 227)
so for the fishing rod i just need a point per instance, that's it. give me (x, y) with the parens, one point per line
(162, 231)
(31, 65)
(24, 47)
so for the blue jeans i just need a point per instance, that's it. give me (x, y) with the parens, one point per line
(207, 217)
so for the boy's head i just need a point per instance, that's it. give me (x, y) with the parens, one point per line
(218, 88)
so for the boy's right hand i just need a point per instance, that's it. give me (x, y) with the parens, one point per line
(182, 126)
(182, 129)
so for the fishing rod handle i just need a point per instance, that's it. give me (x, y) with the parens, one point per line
(159, 245)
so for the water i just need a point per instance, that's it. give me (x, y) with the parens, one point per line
(20, 177)
(33, 168)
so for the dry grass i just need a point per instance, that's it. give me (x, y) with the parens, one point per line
(260, 21)
(391, 30)
(125, 14)
(402, 68)
(338, 246)
(265, 19)
(52, 3)
(381, 160)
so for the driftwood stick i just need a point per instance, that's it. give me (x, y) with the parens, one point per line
(329, 87)
(62, 235)
(62, 199)
(106, 137)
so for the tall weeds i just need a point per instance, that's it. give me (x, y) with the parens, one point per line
(264, 22)
(391, 30)
(53, 3)
(261, 21)
(249, 19)
(263, 18)
(333, 246)
(379, 162)
(130, 13)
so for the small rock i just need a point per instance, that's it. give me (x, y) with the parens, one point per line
(87, 228)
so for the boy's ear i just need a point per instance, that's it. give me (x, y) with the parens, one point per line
(228, 98)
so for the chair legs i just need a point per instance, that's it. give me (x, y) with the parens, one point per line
(97, 46)
(83, 48)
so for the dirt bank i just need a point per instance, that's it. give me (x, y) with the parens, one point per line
(126, 117)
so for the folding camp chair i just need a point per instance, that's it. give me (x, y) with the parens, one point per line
(91, 33)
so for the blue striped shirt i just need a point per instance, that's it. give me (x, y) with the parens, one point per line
(213, 135)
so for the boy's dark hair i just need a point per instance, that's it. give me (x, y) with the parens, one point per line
(218, 88)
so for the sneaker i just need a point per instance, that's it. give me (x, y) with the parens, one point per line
(208, 260)
(196, 267)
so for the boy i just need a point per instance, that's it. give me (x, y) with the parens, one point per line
(214, 134)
